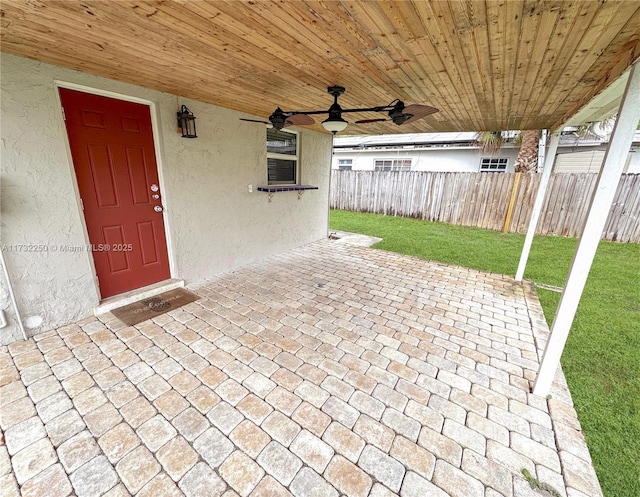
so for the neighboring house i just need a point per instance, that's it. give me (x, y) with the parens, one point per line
(214, 217)
(459, 152)
(448, 152)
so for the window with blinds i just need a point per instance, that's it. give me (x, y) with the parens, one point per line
(392, 164)
(282, 157)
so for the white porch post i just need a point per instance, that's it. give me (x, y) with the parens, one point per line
(537, 206)
(542, 150)
(601, 201)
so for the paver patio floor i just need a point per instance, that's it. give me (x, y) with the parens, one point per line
(327, 370)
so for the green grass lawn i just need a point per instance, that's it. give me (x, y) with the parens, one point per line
(602, 358)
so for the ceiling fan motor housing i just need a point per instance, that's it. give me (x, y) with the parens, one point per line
(335, 111)
(397, 114)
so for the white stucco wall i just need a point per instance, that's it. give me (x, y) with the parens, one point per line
(212, 221)
(435, 159)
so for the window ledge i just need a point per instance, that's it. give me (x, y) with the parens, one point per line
(285, 188)
(271, 189)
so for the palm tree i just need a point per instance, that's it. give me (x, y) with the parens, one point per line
(527, 160)
(490, 142)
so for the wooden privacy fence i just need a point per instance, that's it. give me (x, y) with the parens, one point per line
(483, 200)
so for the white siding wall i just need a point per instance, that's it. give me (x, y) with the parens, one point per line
(579, 162)
(591, 161)
(633, 163)
(213, 223)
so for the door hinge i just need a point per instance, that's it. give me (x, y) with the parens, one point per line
(64, 116)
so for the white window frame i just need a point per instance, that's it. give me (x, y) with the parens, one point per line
(345, 164)
(397, 164)
(295, 158)
(501, 163)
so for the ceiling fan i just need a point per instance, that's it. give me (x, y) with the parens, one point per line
(396, 110)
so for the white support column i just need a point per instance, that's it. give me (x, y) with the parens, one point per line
(542, 150)
(601, 201)
(537, 206)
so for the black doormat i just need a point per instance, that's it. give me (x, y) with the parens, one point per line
(154, 306)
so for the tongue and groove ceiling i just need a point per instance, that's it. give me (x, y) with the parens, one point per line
(487, 65)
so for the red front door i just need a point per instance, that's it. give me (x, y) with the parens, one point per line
(113, 155)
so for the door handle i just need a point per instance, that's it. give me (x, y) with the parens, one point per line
(158, 208)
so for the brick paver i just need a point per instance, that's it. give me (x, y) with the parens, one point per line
(328, 370)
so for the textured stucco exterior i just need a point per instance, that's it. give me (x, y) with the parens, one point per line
(213, 223)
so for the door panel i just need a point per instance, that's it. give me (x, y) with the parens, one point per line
(138, 176)
(148, 243)
(102, 175)
(113, 155)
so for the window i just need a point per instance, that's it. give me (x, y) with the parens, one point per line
(392, 164)
(493, 164)
(282, 157)
(345, 164)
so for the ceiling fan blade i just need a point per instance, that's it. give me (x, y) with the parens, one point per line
(418, 111)
(254, 121)
(366, 121)
(300, 120)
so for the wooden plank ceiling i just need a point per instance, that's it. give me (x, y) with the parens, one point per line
(487, 65)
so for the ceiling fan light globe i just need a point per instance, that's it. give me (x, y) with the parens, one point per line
(334, 125)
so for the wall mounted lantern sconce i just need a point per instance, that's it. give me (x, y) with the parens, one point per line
(187, 123)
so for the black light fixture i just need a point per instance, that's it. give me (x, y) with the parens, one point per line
(397, 112)
(187, 122)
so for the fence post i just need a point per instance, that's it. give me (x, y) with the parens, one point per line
(512, 202)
